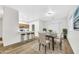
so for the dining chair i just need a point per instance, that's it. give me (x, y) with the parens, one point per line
(43, 41)
(58, 41)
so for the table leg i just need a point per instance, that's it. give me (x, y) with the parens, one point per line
(52, 43)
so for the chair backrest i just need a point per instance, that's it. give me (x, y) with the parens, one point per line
(60, 37)
(42, 38)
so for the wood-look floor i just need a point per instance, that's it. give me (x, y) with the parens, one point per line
(31, 47)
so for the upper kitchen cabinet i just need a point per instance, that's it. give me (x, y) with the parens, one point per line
(23, 25)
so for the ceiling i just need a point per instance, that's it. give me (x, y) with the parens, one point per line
(31, 12)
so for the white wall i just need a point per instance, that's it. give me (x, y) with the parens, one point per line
(42, 24)
(10, 26)
(22, 17)
(53, 25)
(73, 35)
(0, 27)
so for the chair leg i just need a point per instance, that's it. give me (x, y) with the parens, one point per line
(60, 45)
(49, 45)
(45, 49)
(39, 46)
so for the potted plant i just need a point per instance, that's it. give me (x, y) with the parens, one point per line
(44, 29)
(50, 31)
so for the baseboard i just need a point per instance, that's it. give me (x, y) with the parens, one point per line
(18, 44)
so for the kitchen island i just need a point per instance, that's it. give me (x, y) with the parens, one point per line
(26, 35)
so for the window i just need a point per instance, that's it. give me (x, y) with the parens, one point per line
(76, 19)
